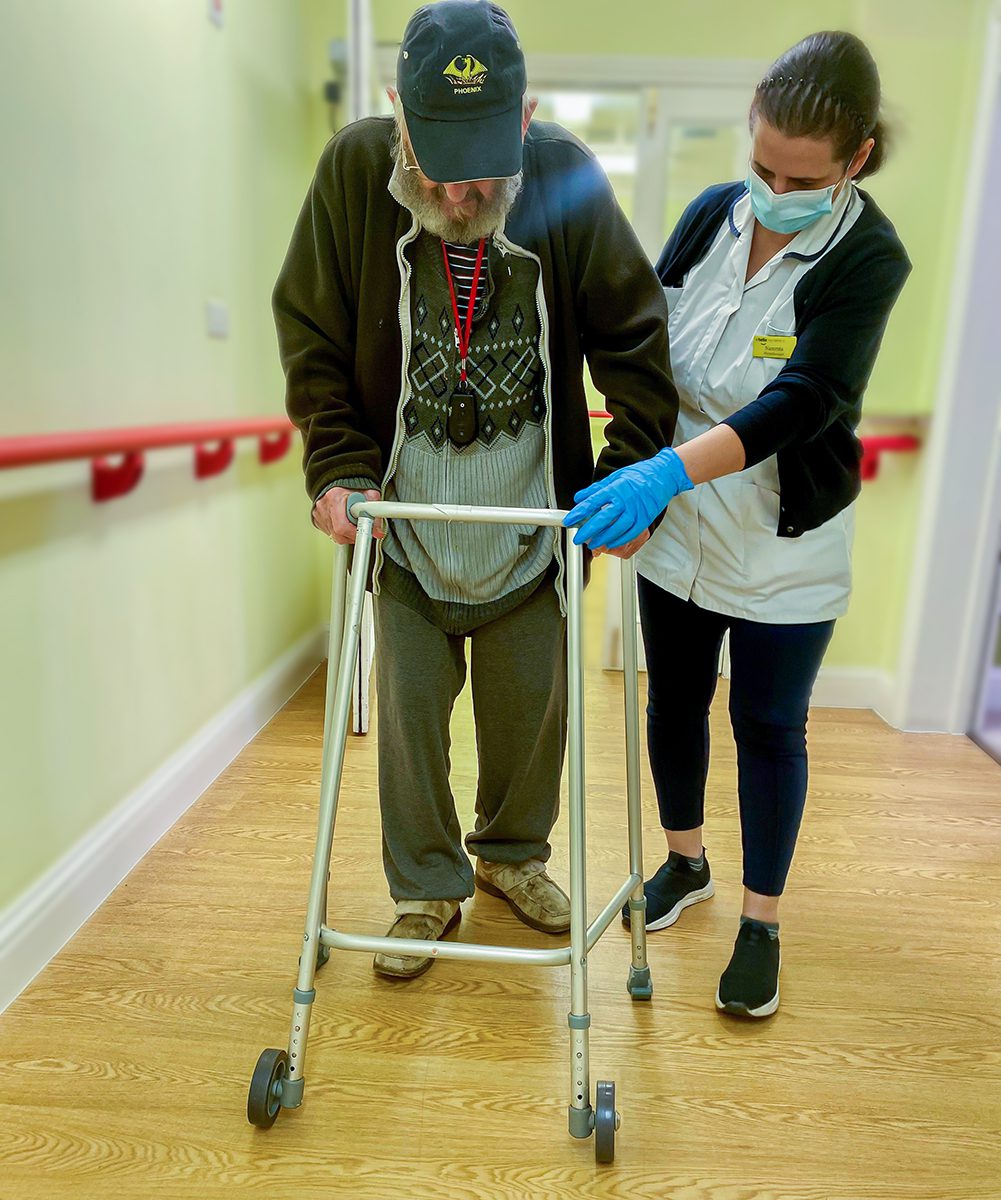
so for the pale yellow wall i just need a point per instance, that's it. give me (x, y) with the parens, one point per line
(323, 20)
(149, 161)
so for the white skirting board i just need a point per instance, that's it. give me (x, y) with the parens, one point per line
(42, 919)
(855, 687)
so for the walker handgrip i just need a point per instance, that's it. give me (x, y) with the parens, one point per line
(354, 498)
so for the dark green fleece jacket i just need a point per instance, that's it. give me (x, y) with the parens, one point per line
(337, 302)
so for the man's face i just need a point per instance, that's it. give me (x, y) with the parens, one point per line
(456, 201)
(457, 212)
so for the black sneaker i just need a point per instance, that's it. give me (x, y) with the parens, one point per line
(675, 886)
(749, 987)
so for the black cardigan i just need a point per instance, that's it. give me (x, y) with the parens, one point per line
(809, 413)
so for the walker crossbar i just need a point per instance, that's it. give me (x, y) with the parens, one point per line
(478, 952)
(471, 514)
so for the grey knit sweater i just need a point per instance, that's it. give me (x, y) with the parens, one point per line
(461, 567)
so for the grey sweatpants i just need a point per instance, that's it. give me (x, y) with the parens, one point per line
(520, 708)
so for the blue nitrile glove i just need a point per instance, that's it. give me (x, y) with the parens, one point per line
(618, 509)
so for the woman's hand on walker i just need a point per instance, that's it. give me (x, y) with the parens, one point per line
(616, 511)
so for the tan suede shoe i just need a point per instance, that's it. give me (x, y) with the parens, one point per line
(425, 920)
(534, 898)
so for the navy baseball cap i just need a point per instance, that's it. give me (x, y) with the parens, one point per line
(461, 78)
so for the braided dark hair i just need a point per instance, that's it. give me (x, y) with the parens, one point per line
(826, 86)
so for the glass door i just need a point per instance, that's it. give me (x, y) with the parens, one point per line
(659, 146)
(607, 121)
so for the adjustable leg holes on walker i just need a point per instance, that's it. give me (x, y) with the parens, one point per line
(322, 951)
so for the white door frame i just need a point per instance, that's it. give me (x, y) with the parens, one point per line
(361, 103)
(361, 48)
(959, 529)
(667, 106)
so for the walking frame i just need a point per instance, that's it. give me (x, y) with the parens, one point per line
(279, 1079)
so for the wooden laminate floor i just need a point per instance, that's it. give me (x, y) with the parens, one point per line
(125, 1066)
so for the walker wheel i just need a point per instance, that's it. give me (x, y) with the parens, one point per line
(606, 1121)
(264, 1101)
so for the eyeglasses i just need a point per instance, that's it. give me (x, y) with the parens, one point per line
(409, 162)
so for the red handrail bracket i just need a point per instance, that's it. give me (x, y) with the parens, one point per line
(874, 447)
(272, 447)
(109, 480)
(213, 461)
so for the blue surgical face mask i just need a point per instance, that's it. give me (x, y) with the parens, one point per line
(788, 212)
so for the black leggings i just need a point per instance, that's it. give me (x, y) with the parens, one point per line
(773, 670)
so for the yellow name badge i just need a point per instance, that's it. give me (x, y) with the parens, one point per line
(774, 346)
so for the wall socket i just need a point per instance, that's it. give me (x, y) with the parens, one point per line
(216, 319)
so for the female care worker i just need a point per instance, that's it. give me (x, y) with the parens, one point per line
(779, 289)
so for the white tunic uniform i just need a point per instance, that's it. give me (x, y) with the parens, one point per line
(718, 545)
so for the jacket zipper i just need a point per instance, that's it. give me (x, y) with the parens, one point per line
(394, 454)
(543, 316)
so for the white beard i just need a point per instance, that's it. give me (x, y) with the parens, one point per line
(424, 205)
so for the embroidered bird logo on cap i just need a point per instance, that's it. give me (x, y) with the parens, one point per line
(466, 72)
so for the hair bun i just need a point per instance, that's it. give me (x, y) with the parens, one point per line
(826, 87)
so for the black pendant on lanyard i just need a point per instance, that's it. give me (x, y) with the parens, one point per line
(462, 423)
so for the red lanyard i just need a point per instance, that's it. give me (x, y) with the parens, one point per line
(462, 339)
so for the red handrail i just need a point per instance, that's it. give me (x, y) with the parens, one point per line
(91, 443)
(213, 442)
(214, 449)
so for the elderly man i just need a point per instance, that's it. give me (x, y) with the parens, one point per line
(449, 272)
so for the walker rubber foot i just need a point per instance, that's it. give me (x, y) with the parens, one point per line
(640, 984)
